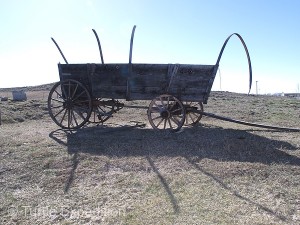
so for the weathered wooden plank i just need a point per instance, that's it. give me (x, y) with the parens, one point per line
(155, 80)
(149, 69)
(148, 96)
(120, 69)
(153, 90)
(149, 81)
(73, 68)
(107, 80)
(109, 75)
(140, 93)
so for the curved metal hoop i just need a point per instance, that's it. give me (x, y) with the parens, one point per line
(248, 56)
(130, 64)
(59, 50)
(131, 43)
(99, 46)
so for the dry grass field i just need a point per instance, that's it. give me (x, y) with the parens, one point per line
(124, 172)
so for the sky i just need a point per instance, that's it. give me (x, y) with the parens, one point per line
(167, 31)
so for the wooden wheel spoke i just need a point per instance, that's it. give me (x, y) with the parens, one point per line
(81, 109)
(165, 123)
(187, 119)
(69, 118)
(168, 101)
(57, 100)
(155, 118)
(170, 124)
(79, 113)
(59, 112)
(64, 91)
(176, 110)
(73, 114)
(190, 116)
(175, 120)
(100, 109)
(94, 116)
(59, 94)
(74, 92)
(79, 95)
(162, 119)
(63, 117)
(69, 89)
(57, 107)
(159, 107)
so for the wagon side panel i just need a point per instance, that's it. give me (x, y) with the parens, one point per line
(192, 82)
(187, 82)
(148, 81)
(78, 72)
(210, 82)
(110, 81)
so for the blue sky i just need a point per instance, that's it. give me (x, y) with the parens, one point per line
(168, 31)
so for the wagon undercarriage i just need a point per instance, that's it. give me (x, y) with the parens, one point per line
(71, 106)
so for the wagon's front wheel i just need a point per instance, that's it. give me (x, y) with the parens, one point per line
(69, 104)
(166, 112)
(193, 112)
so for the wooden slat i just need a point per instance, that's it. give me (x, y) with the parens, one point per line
(109, 75)
(148, 96)
(144, 93)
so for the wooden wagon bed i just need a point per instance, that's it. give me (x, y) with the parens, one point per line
(146, 81)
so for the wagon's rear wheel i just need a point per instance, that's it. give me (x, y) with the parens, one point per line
(166, 112)
(102, 110)
(193, 112)
(69, 104)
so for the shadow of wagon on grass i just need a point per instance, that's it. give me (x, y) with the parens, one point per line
(192, 145)
(202, 142)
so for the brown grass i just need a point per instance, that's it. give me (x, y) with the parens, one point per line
(123, 173)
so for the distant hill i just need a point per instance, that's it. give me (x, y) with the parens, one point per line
(42, 87)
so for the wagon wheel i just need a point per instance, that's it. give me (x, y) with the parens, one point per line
(193, 112)
(69, 104)
(102, 110)
(166, 112)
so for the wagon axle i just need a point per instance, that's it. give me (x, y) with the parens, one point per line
(103, 109)
(190, 109)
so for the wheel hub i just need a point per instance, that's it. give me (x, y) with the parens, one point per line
(165, 114)
(69, 104)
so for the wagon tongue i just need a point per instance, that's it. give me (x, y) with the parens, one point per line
(290, 129)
